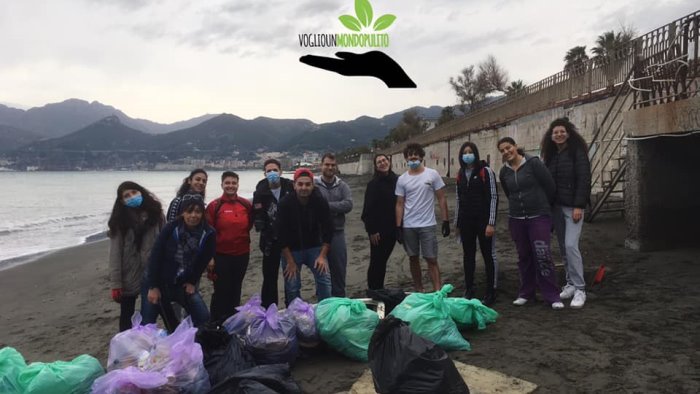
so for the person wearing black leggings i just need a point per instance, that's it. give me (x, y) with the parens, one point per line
(477, 202)
(379, 216)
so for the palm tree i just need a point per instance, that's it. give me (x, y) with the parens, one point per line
(608, 43)
(576, 59)
(515, 87)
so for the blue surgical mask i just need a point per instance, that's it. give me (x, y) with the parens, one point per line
(273, 177)
(413, 164)
(468, 158)
(134, 202)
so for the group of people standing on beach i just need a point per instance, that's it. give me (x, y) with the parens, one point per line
(302, 221)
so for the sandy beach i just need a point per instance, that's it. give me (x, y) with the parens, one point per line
(637, 332)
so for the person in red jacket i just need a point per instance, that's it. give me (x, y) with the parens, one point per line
(231, 217)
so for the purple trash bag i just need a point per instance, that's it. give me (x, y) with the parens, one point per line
(129, 380)
(175, 344)
(273, 339)
(130, 346)
(304, 317)
(185, 369)
(248, 313)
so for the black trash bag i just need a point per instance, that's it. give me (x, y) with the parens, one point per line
(390, 297)
(403, 362)
(273, 377)
(224, 354)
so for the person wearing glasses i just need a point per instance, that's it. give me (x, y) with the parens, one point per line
(268, 193)
(178, 258)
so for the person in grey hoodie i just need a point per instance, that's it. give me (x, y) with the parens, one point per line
(530, 190)
(339, 198)
(134, 225)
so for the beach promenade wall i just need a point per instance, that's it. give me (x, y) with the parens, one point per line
(527, 131)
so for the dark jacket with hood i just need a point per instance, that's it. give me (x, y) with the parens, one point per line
(530, 190)
(303, 226)
(265, 208)
(477, 194)
(571, 171)
(162, 267)
(379, 209)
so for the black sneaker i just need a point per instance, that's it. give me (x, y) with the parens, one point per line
(489, 299)
(469, 293)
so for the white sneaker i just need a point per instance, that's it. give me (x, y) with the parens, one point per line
(567, 292)
(520, 301)
(579, 299)
(557, 305)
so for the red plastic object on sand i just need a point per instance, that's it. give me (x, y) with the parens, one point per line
(599, 275)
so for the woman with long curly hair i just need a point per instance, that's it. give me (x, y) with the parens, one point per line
(136, 221)
(565, 154)
(195, 183)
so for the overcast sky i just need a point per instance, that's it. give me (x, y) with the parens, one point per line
(173, 60)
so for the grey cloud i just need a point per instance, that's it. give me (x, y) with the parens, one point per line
(314, 7)
(129, 5)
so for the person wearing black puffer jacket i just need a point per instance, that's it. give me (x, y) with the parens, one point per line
(477, 203)
(565, 154)
(268, 193)
(379, 216)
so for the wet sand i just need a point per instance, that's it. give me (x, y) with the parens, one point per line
(637, 332)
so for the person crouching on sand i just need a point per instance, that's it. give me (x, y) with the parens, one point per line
(136, 221)
(530, 190)
(178, 259)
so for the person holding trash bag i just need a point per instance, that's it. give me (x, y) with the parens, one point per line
(134, 225)
(477, 203)
(305, 230)
(565, 154)
(232, 218)
(178, 259)
(530, 190)
(379, 216)
(195, 183)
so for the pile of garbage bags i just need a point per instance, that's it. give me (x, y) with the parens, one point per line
(59, 377)
(438, 318)
(144, 358)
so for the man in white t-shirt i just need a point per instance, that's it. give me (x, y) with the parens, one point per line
(416, 190)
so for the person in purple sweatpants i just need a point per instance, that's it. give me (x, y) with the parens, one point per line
(530, 189)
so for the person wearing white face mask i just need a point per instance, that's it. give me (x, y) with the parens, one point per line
(268, 193)
(416, 190)
(477, 204)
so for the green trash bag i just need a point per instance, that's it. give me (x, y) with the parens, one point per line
(470, 313)
(429, 317)
(346, 325)
(60, 377)
(11, 364)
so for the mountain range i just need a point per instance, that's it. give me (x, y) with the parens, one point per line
(46, 132)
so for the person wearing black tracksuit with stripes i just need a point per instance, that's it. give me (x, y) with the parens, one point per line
(477, 202)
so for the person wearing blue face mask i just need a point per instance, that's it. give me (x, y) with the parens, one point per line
(416, 190)
(267, 195)
(135, 222)
(477, 204)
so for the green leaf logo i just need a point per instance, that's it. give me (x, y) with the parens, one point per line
(363, 9)
(350, 22)
(384, 21)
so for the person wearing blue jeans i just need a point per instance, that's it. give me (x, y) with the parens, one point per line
(292, 287)
(339, 198)
(305, 231)
(178, 258)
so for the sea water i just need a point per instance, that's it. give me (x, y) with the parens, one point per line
(45, 211)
